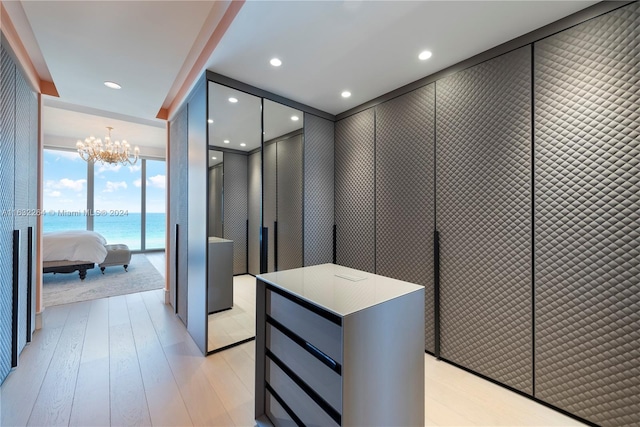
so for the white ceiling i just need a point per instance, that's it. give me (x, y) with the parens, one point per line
(139, 44)
(65, 127)
(367, 47)
(215, 157)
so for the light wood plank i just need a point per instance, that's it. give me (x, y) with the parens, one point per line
(128, 400)
(225, 382)
(242, 415)
(166, 406)
(168, 327)
(53, 405)
(21, 388)
(243, 366)
(185, 360)
(91, 403)
(204, 405)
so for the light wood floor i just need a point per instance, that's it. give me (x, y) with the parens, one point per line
(127, 360)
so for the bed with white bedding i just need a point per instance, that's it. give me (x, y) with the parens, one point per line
(75, 250)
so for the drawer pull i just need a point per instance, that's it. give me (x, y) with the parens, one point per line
(320, 355)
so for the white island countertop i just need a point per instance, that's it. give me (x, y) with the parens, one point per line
(339, 289)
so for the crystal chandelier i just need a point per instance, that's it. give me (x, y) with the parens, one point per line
(94, 150)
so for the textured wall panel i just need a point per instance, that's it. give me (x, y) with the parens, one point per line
(178, 207)
(269, 199)
(355, 191)
(235, 208)
(7, 120)
(289, 195)
(405, 199)
(255, 211)
(587, 83)
(21, 197)
(483, 128)
(318, 190)
(215, 200)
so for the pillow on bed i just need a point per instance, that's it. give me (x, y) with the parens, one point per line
(74, 245)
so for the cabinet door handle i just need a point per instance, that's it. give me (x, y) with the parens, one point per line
(320, 355)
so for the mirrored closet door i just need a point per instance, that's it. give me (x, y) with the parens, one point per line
(234, 196)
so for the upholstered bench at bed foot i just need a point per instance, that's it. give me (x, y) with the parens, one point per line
(116, 255)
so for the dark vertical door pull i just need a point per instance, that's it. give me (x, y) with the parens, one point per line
(246, 235)
(264, 250)
(436, 291)
(334, 242)
(275, 245)
(15, 308)
(29, 280)
(176, 264)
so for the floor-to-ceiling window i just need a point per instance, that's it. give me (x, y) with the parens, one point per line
(65, 191)
(117, 203)
(126, 204)
(155, 204)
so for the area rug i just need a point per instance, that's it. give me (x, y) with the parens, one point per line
(66, 288)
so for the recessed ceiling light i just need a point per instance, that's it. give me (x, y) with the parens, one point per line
(243, 145)
(112, 85)
(346, 94)
(214, 158)
(226, 141)
(233, 100)
(275, 62)
(424, 55)
(295, 118)
(210, 121)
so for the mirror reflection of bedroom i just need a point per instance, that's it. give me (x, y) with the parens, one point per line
(104, 223)
(235, 194)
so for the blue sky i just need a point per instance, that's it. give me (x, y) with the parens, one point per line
(115, 186)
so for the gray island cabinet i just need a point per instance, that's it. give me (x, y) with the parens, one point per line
(339, 347)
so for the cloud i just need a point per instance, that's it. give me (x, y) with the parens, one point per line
(66, 183)
(158, 181)
(114, 186)
(109, 168)
(68, 155)
(137, 183)
(134, 168)
(55, 193)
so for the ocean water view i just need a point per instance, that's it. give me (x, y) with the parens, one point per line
(124, 229)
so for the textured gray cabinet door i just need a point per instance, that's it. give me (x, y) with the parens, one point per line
(587, 204)
(7, 120)
(178, 184)
(235, 208)
(483, 128)
(289, 202)
(355, 191)
(405, 199)
(21, 197)
(255, 211)
(269, 200)
(318, 190)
